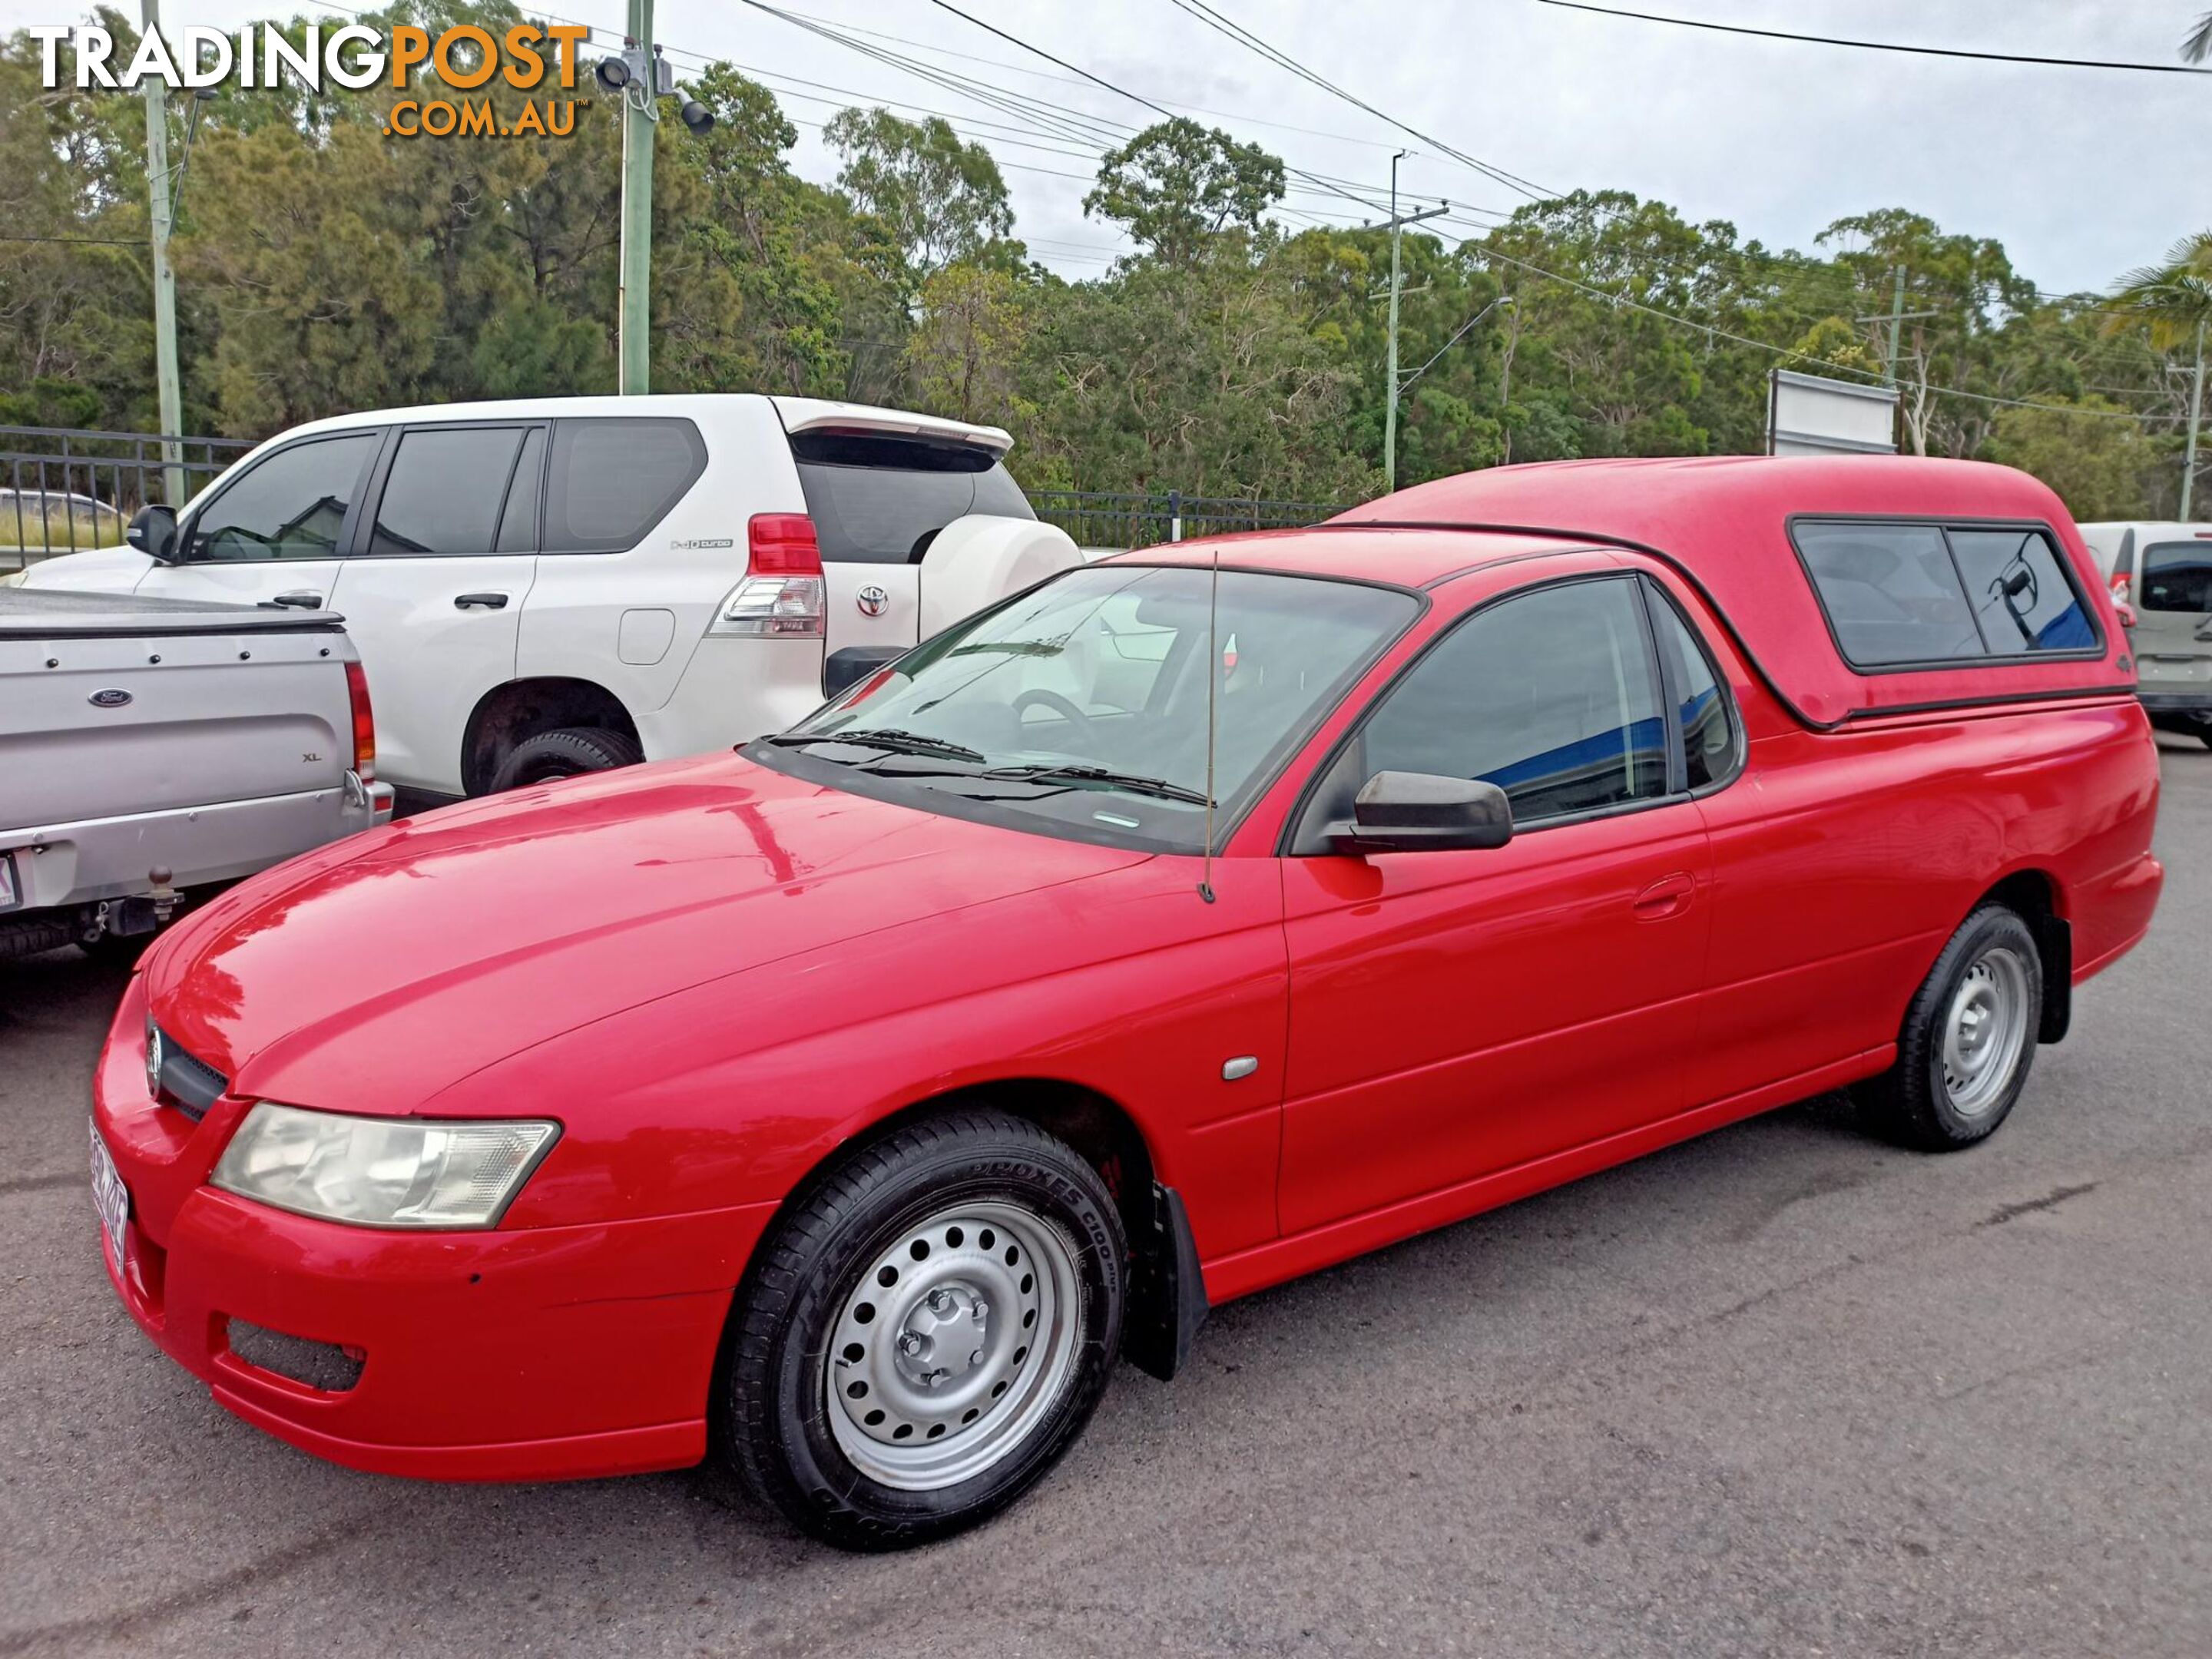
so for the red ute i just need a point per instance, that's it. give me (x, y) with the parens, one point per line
(876, 1087)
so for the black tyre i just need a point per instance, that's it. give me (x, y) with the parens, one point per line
(1968, 1040)
(569, 752)
(925, 1332)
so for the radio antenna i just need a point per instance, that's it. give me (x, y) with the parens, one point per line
(1212, 678)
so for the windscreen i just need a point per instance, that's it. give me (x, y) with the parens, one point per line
(1084, 702)
(879, 500)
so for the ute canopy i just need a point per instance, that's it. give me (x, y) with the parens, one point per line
(1858, 585)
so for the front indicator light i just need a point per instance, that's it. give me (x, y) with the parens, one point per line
(381, 1171)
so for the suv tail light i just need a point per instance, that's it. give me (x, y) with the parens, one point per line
(782, 595)
(364, 722)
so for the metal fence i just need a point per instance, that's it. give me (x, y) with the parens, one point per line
(62, 488)
(1109, 518)
(65, 488)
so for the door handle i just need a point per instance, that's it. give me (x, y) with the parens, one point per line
(488, 601)
(1667, 897)
(299, 601)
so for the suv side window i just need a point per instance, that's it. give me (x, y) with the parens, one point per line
(443, 491)
(1553, 695)
(293, 505)
(614, 477)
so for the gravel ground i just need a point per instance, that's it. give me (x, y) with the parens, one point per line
(1783, 1390)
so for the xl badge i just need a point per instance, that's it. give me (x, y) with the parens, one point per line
(872, 600)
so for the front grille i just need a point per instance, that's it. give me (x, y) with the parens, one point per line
(187, 1082)
(324, 1365)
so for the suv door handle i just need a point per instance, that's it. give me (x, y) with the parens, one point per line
(299, 601)
(490, 601)
(1669, 895)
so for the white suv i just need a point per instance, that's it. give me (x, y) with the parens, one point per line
(555, 586)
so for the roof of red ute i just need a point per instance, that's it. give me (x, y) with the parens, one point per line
(1723, 522)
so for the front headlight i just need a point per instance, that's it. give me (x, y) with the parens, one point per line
(381, 1171)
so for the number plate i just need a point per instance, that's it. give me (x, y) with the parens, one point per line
(11, 890)
(110, 1197)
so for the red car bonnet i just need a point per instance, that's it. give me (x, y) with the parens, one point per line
(444, 944)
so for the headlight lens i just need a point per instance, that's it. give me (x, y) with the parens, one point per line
(381, 1171)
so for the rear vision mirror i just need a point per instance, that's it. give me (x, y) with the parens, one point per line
(1420, 811)
(153, 531)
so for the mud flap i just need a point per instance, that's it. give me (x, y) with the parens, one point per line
(1169, 1303)
(2054, 939)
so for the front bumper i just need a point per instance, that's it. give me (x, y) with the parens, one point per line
(534, 1353)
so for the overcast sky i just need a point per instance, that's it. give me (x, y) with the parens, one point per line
(2081, 173)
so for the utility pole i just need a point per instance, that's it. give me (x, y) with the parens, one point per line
(634, 335)
(2196, 412)
(1896, 323)
(1897, 319)
(167, 391)
(1390, 412)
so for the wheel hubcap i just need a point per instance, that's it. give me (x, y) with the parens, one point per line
(1985, 1030)
(955, 1343)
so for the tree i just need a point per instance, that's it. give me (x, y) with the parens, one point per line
(964, 355)
(943, 200)
(1177, 186)
(1969, 289)
(2096, 465)
(2172, 304)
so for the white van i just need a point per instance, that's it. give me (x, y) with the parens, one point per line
(2163, 572)
(553, 586)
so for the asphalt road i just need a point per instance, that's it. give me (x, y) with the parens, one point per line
(1782, 1390)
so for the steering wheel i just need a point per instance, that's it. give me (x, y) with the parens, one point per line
(1054, 700)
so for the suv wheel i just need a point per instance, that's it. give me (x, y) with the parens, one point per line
(569, 752)
(925, 1332)
(1968, 1039)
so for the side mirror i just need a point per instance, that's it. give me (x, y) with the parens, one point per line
(153, 531)
(1418, 812)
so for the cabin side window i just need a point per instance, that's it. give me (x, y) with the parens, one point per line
(1902, 595)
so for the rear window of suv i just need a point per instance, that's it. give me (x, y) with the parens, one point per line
(614, 477)
(878, 500)
(2176, 576)
(1898, 595)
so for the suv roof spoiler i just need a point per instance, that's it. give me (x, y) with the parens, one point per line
(820, 415)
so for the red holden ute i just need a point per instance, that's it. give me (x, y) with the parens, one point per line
(1192, 920)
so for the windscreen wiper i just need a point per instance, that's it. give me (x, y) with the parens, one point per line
(1105, 777)
(890, 738)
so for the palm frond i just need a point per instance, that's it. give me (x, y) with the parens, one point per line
(2197, 44)
(2169, 301)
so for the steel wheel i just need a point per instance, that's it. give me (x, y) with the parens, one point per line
(954, 1345)
(1984, 1029)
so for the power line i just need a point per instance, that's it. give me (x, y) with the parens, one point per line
(1070, 81)
(1135, 98)
(1477, 251)
(1878, 45)
(1221, 24)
